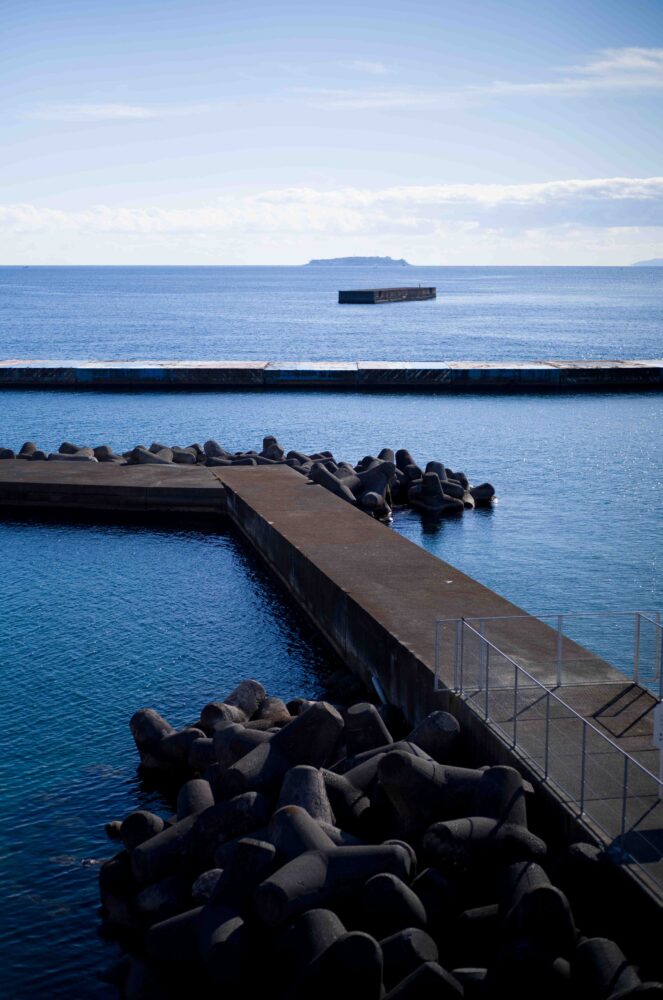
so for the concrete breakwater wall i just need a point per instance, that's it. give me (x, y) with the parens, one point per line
(322, 850)
(428, 376)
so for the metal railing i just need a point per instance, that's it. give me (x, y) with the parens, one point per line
(576, 648)
(595, 777)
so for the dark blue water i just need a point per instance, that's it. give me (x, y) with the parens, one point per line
(98, 620)
(284, 313)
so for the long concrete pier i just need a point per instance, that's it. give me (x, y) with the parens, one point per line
(376, 597)
(428, 376)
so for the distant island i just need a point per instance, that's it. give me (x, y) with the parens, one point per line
(654, 262)
(354, 261)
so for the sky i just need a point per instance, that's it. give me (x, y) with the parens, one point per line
(487, 133)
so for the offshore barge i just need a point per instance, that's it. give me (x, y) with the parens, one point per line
(373, 296)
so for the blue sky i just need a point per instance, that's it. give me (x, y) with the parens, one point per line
(449, 133)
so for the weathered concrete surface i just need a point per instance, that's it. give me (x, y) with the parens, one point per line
(376, 597)
(64, 486)
(443, 376)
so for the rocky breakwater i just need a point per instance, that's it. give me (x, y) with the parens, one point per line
(325, 852)
(376, 484)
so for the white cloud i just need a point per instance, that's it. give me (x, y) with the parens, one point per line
(484, 212)
(627, 60)
(626, 70)
(116, 112)
(616, 202)
(364, 66)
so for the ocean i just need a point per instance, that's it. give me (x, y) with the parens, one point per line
(99, 620)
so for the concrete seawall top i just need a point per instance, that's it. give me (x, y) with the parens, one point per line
(427, 376)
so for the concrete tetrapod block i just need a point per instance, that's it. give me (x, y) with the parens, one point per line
(143, 456)
(440, 896)
(117, 890)
(163, 899)
(253, 861)
(261, 769)
(589, 880)
(352, 965)
(500, 794)
(377, 479)
(600, 972)
(341, 838)
(428, 982)
(478, 840)
(216, 714)
(194, 796)
(317, 878)
(229, 819)
(478, 935)
(175, 748)
(201, 753)
(403, 459)
(223, 945)
(148, 728)
(167, 853)
(248, 696)
(213, 449)
(389, 905)
(293, 831)
(184, 456)
(522, 970)
(531, 907)
(235, 742)
(349, 763)
(307, 937)
(175, 940)
(364, 729)
(304, 786)
(273, 710)
(312, 737)
(323, 477)
(482, 494)
(203, 887)
(424, 791)
(437, 734)
(138, 827)
(405, 951)
(473, 981)
(349, 804)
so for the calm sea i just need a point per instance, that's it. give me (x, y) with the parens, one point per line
(282, 313)
(99, 620)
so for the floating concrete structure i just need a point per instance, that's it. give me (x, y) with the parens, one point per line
(374, 296)
(362, 376)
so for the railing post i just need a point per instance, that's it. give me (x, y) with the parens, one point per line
(636, 650)
(486, 678)
(560, 648)
(546, 749)
(624, 797)
(515, 706)
(460, 653)
(583, 764)
(658, 642)
(483, 655)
